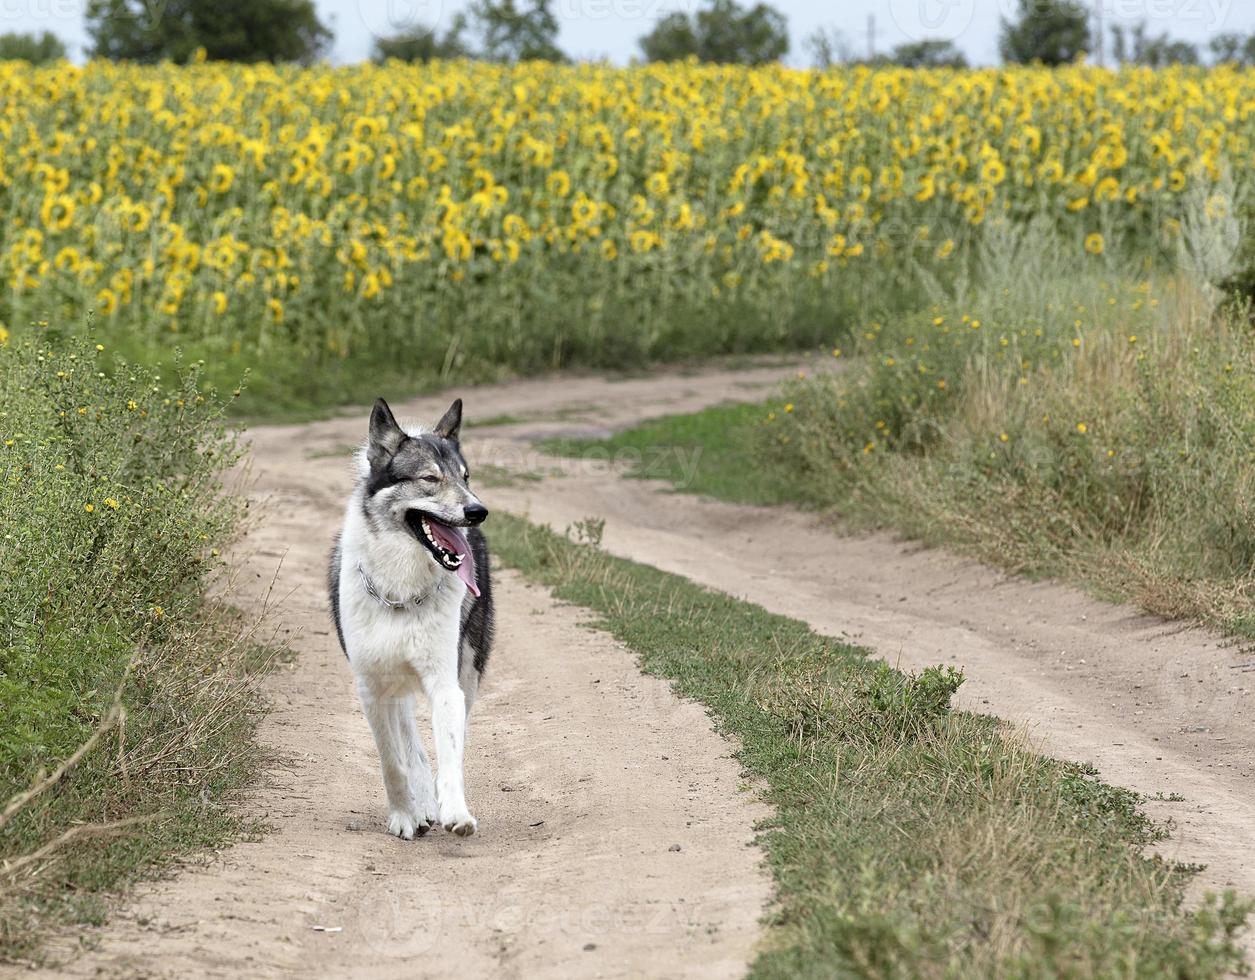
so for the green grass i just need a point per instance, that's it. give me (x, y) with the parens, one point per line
(713, 452)
(910, 839)
(110, 506)
(488, 340)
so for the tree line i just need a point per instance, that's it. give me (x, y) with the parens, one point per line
(1051, 32)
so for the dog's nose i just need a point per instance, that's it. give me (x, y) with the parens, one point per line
(475, 513)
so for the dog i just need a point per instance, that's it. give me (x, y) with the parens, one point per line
(412, 605)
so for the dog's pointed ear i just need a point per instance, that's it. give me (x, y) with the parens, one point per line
(450, 423)
(385, 435)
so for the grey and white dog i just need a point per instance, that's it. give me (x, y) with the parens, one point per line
(412, 604)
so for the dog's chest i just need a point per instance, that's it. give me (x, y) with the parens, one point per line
(421, 637)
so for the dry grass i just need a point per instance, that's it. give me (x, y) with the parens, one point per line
(1098, 429)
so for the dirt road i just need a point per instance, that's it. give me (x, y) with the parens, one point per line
(569, 734)
(616, 833)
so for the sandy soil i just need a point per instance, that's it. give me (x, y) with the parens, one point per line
(573, 740)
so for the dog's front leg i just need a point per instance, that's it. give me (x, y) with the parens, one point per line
(422, 784)
(383, 712)
(448, 726)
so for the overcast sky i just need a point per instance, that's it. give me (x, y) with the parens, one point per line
(610, 28)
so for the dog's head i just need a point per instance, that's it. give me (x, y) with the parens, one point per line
(419, 482)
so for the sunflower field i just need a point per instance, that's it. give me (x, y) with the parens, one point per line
(479, 218)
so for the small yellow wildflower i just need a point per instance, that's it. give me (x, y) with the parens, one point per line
(1082, 428)
(90, 508)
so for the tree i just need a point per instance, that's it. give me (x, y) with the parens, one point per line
(228, 30)
(1138, 47)
(421, 44)
(724, 32)
(828, 46)
(1233, 49)
(928, 54)
(510, 33)
(27, 47)
(1054, 32)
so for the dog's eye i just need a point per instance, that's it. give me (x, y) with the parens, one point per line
(429, 478)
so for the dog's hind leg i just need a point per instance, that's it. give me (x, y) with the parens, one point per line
(383, 712)
(448, 725)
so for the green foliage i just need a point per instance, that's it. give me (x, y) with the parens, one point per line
(508, 32)
(928, 54)
(1053, 32)
(1233, 48)
(1137, 46)
(423, 44)
(909, 839)
(29, 47)
(723, 32)
(227, 30)
(110, 502)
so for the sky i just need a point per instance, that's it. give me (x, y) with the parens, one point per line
(610, 29)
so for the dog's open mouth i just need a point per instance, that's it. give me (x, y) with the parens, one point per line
(448, 545)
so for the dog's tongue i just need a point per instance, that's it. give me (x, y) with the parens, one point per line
(454, 539)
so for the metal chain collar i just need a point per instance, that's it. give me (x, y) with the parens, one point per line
(396, 605)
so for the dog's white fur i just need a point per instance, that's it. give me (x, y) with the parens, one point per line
(395, 655)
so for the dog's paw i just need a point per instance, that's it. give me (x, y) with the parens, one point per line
(406, 825)
(462, 824)
(426, 811)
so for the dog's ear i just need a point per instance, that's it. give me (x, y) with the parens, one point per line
(450, 423)
(385, 435)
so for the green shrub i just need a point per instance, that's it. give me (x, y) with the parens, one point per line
(111, 505)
